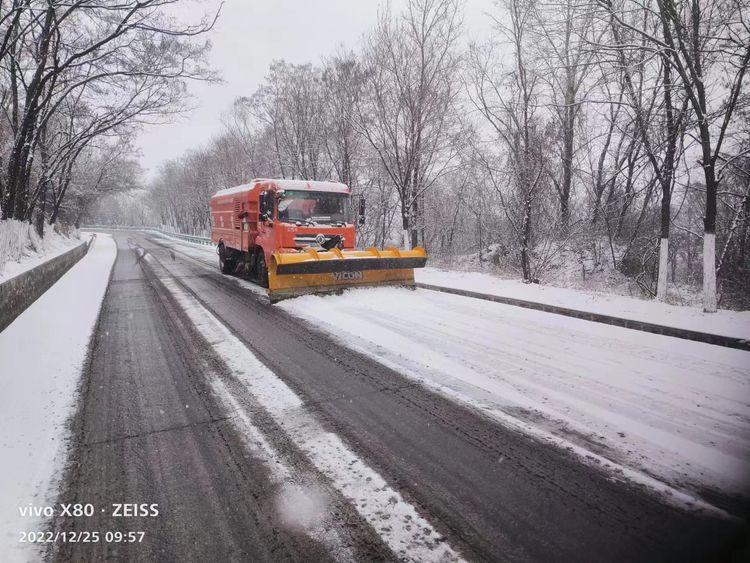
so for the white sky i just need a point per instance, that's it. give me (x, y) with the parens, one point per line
(249, 35)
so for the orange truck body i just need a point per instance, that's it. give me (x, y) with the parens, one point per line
(296, 237)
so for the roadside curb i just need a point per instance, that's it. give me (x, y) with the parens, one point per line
(19, 292)
(686, 334)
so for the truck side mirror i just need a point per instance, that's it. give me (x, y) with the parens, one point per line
(361, 211)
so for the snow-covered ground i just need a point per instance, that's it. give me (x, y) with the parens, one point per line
(41, 356)
(655, 406)
(726, 323)
(21, 248)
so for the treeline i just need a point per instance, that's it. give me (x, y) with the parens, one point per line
(77, 79)
(613, 129)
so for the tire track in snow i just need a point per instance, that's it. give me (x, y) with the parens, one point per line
(408, 534)
(321, 529)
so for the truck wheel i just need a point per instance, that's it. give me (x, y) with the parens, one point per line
(226, 265)
(261, 271)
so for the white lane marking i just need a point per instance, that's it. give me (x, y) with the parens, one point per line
(292, 488)
(395, 520)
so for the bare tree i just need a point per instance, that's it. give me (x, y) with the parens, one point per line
(101, 172)
(409, 114)
(253, 145)
(290, 104)
(565, 31)
(660, 126)
(343, 80)
(507, 97)
(701, 40)
(105, 65)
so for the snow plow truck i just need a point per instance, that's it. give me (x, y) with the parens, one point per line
(296, 237)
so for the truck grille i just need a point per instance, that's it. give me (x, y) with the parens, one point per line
(308, 240)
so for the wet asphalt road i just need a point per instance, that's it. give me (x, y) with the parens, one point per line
(149, 430)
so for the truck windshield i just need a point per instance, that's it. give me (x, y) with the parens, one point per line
(315, 207)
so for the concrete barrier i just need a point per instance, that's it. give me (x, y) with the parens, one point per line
(19, 292)
(708, 338)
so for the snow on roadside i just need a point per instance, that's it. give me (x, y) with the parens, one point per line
(21, 248)
(669, 408)
(42, 353)
(725, 323)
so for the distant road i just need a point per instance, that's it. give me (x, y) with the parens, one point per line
(152, 428)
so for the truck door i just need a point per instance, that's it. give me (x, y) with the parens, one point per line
(266, 220)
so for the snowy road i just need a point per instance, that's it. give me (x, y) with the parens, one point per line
(671, 408)
(260, 436)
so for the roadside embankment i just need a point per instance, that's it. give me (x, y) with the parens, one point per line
(18, 292)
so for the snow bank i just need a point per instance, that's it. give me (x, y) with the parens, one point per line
(664, 407)
(726, 323)
(21, 248)
(41, 356)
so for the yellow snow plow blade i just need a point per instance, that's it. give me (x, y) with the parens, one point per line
(317, 271)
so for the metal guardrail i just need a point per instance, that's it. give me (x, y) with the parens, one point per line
(189, 238)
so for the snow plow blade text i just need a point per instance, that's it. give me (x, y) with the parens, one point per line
(316, 271)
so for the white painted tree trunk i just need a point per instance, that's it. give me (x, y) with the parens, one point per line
(709, 272)
(407, 240)
(661, 285)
